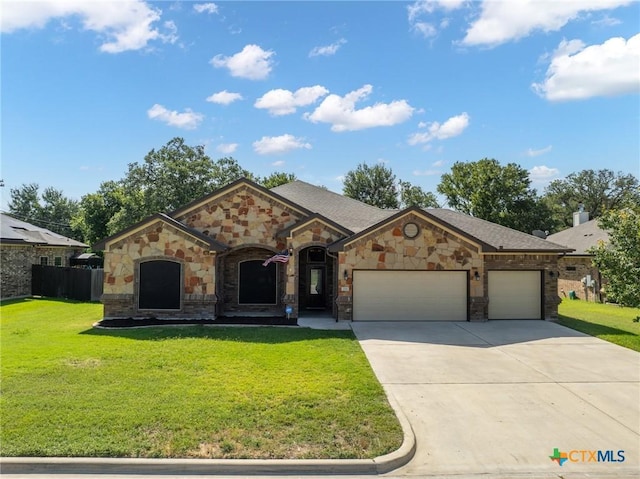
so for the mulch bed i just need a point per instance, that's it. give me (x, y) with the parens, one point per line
(223, 320)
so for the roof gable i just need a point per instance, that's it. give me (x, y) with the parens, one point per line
(229, 189)
(488, 237)
(196, 236)
(580, 238)
(310, 220)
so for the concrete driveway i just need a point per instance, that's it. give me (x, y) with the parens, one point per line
(496, 398)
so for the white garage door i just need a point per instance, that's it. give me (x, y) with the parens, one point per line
(410, 295)
(515, 295)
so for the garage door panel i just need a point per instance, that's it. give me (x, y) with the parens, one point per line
(410, 295)
(515, 295)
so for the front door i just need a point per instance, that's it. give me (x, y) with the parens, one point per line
(316, 295)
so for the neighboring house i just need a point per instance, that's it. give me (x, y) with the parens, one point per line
(23, 245)
(576, 269)
(355, 261)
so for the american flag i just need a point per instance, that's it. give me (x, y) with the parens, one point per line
(282, 257)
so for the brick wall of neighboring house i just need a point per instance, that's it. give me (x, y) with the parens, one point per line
(572, 269)
(434, 249)
(546, 263)
(15, 266)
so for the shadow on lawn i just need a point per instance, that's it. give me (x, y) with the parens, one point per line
(592, 329)
(246, 334)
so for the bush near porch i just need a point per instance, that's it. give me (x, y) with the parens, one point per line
(605, 321)
(188, 391)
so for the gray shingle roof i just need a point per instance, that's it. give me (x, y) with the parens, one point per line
(352, 214)
(494, 235)
(581, 237)
(14, 231)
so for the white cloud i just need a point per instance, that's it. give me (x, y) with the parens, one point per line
(533, 153)
(206, 8)
(124, 25)
(227, 148)
(341, 112)
(438, 163)
(278, 163)
(224, 97)
(421, 8)
(577, 72)
(454, 126)
(606, 21)
(252, 62)
(284, 102)
(270, 145)
(504, 21)
(542, 174)
(188, 120)
(327, 50)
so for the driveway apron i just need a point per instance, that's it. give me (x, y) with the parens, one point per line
(499, 397)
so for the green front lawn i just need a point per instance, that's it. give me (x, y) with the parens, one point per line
(605, 321)
(189, 391)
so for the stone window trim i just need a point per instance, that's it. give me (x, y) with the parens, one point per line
(137, 263)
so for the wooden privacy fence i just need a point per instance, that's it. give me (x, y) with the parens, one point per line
(71, 283)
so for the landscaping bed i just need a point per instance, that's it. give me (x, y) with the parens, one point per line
(70, 389)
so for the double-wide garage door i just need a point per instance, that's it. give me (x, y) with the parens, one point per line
(515, 295)
(410, 295)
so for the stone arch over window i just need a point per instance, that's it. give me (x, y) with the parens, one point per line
(159, 285)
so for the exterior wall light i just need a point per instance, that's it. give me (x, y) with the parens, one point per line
(345, 275)
(476, 276)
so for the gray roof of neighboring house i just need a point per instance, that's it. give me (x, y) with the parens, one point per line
(347, 212)
(581, 237)
(14, 231)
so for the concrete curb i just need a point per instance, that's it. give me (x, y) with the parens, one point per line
(97, 465)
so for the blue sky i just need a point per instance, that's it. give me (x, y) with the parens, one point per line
(315, 88)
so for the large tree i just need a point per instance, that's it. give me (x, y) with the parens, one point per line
(169, 178)
(98, 211)
(51, 210)
(598, 191)
(377, 185)
(277, 178)
(501, 194)
(619, 259)
(374, 185)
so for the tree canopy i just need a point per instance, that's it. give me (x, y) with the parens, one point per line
(51, 210)
(619, 259)
(377, 185)
(501, 194)
(598, 191)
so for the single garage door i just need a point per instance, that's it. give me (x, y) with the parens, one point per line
(410, 295)
(515, 295)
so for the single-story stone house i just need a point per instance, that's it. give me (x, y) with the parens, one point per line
(577, 272)
(338, 255)
(23, 245)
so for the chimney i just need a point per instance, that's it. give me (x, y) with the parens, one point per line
(581, 216)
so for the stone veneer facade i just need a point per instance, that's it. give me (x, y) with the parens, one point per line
(254, 225)
(16, 262)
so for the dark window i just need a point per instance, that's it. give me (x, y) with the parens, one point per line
(160, 285)
(571, 268)
(57, 261)
(315, 255)
(258, 284)
(44, 261)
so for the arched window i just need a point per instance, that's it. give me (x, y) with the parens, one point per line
(258, 284)
(159, 286)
